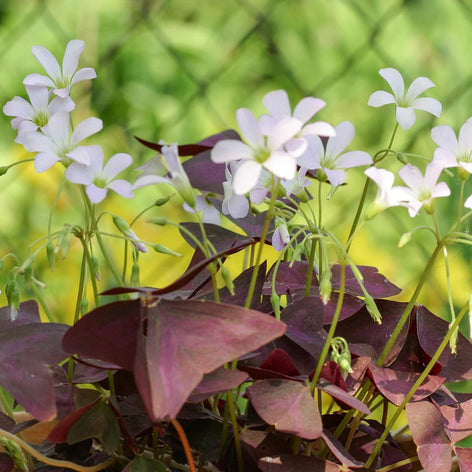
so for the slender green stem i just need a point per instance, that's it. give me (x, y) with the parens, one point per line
(406, 314)
(91, 271)
(42, 302)
(332, 328)
(80, 291)
(269, 214)
(416, 385)
(234, 422)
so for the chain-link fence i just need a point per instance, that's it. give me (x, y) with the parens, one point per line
(178, 69)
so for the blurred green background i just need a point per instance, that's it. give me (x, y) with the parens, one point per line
(177, 70)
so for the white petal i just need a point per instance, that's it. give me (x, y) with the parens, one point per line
(250, 128)
(353, 159)
(445, 157)
(245, 177)
(96, 194)
(445, 137)
(307, 107)
(336, 177)
(468, 202)
(344, 135)
(406, 117)
(85, 129)
(62, 92)
(432, 173)
(441, 190)
(44, 161)
(284, 130)
(465, 136)
(117, 164)
(122, 187)
(18, 106)
(320, 128)
(431, 105)
(230, 150)
(277, 103)
(314, 153)
(48, 61)
(81, 155)
(296, 146)
(73, 51)
(412, 176)
(78, 174)
(395, 80)
(237, 206)
(146, 180)
(84, 74)
(282, 165)
(39, 97)
(381, 98)
(382, 177)
(61, 104)
(417, 87)
(38, 80)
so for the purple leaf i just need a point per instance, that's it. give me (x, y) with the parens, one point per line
(288, 406)
(431, 332)
(184, 340)
(28, 352)
(427, 429)
(342, 396)
(6, 463)
(28, 313)
(339, 451)
(291, 463)
(218, 381)
(108, 333)
(458, 419)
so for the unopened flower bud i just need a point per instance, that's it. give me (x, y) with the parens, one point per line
(95, 268)
(165, 250)
(325, 286)
(134, 279)
(158, 220)
(125, 228)
(84, 305)
(51, 254)
(228, 279)
(162, 201)
(275, 301)
(372, 309)
(13, 297)
(404, 239)
(344, 362)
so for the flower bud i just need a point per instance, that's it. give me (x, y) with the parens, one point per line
(404, 239)
(158, 220)
(162, 201)
(372, 309)
(165, 250)
(228, 279)
(125, 228)
(51, 254)
(325, 286)
(134, 279)
(84, 305)
(13, 297)
(95, 268)
(275, 301)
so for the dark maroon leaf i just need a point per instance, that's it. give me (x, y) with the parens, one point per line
(107, 333)
(288, 406)
(368, 338)
(427, 429)
(186, 339)
(28, 313)
(339, 451)
(145, 464)
(6, 422)
(184, 150)
(290, 278)
(6, 463)
(333, 374)
(395, 385)
(218, 381)
(342, 396)
(431, 332)
(375, 283)
(292, 463)
(280, 361)
(355, 378)
(204, 174)
(27, 353)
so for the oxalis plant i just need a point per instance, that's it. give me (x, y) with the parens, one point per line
(299, 365)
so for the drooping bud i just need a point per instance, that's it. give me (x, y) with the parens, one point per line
(325, 286)
(228, 279)
(165, 250)
(125, 228)
(13, 297)
(51, 254)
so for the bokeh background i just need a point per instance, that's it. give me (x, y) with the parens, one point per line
(177, 70)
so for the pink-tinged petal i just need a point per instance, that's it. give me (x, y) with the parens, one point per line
(414, 208)
(431, 105)
(96, 194)
(85, 129)
(19, 107)
(353, 159)
(266, 123)
(382, 177)
(117, 164)
(38, 80)
(278, 242)
(344, 135)
(465, 136)
(406, 117)
(312, 157)
(230, 150)
(468, 203)
(122, 187)
(257, 195)
(445, 137)
(412, 176)
(441, 190)
(237, 206)
(284, 130)
(81, 155)
(335, 176)
(417, 87)
(48, 61)
(320, 128)
(432, 173)
(250, 128)
(277, 103)
(381, 98)
(39, 97)
(395, 80)
(44, 161)
(446, 158)
(70, 62)
(78, 174)
(307, 107)
(146, 180)
(246, 176)
(86, 73)
(281, 165)
(296, 146)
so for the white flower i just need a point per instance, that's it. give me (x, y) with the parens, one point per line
(98, 178)
(281, 236)
(209, 213)
(421, 190)
(330, 161)
(454, 152)
(278, 105)
(154, 171)
(264, 149)
(384, 198)
(235, 205)
(406, 102)
(31, 116)
(57, 143)
(60, 80)
(297, 185)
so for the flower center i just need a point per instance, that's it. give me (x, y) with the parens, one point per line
(262, 155)
(99, 181)
(41, 119)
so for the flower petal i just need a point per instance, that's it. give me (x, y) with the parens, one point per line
(122, 187)
(445, 138)
(412, 176)
(70, 62)
(19, 107)
(353, 159)
(380, 98)
(307, 107)
(250, 128)
(417, 87)
(48, 61)
(84, 74)
(78, 174)
(116, 164)
(395, 80)
(335, 176)
(285, 129)
(320, 128)
(431, 105)
(406, 117)
(246, 176)
(96, 194)
(38, 80)
(344, 135)
(44, 161)
(277, 103)
(282, 165)
(228, 150)
(85, 129)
